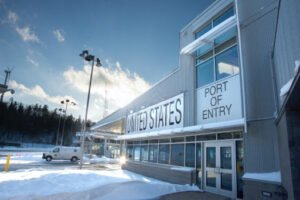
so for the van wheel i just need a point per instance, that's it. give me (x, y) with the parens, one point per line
(74, 159)
(48, 158)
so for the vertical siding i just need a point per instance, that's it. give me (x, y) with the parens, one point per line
(287, 46)
(257, 22)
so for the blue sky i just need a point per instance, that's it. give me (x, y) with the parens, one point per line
(136, 40)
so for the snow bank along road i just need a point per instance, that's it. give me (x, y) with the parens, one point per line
(46, 184)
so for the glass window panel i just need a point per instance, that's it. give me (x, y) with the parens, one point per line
(227, 63)
(179, 139)
(164, 140)
(144, 152)
(206, 137)
(204, 49)
(226, 182)
(129, 152)
(226, 157)
(205, 73)
(211, 179)
(225, 45)
(190, 138)
(223, 17)
(177, 154)
(199, 164)
(224, 136)
(203, 31)
(153, 141)
(153, 152)
(137, 153)
(190, 155)
(239, 168)
(164, 153)
(226, 36)
(204, 57)
(237, 135)
(211, 157)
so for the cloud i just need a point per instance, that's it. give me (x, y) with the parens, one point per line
(27, 34)
(119, 86)
(36, 92)
(33, 62)
(58, 35)
(12, 17)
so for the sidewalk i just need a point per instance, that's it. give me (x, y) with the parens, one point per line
(192, 196)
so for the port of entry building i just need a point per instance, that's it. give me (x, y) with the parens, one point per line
(227, 119)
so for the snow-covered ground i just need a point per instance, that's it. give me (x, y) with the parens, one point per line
(70, 183)
(36, 158)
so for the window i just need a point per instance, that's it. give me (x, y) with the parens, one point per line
(144, 152)
(205, 73)
(177, 154)
(153, 152)
(190, 155)
(218, 58)
(137, 153)
(227, 63)
(164, 153)
(129, 152)
(223, 17)
(56, 150)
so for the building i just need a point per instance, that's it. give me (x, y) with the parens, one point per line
(227, 119)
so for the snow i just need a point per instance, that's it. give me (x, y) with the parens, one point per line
(21, 157)
(186, 169)
(274, 177)
(36, 158)
(72, 183)
(76, 184)
(286, 87)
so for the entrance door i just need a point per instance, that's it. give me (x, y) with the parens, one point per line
(219, 168)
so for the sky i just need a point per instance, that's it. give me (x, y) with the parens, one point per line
(137, 42)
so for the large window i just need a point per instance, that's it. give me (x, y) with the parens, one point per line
(137, 153)
(177, 154)
(219, 58)
(129, 152)
(144, 152)
(190, 155)
(153, 152)
(164, 153)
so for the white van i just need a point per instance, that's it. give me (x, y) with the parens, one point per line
(63, 153)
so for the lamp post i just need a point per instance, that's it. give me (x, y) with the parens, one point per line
(63, 129)
(87, 57)
(57, 134)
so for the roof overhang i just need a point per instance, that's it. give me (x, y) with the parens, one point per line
(190, 129)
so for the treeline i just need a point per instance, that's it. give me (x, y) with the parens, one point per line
(35, 124)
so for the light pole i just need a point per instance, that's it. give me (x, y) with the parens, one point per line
(57, 134)
(88, 57)
(63, 129)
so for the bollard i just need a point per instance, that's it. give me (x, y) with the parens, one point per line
(7, 163)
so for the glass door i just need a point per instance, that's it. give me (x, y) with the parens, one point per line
(219, 173)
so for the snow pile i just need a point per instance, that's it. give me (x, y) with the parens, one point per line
(83, 185)
(93, 159)
(22, 158)
(274, 177)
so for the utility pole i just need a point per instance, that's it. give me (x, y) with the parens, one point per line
(7, 74)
